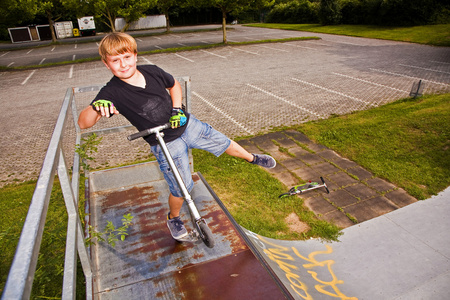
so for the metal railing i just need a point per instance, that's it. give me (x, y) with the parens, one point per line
(21, 275)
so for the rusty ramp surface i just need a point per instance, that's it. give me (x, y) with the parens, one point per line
(149, 264)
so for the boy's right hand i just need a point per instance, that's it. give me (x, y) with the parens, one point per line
(105, 107)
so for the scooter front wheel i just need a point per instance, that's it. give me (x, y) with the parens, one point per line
(206, 235)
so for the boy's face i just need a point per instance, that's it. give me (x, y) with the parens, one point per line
(123, 65)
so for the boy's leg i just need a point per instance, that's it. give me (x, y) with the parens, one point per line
(262, 160)
(236, 150)
(175, 204)
(175, 224)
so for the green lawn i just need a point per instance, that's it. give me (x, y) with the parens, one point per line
(436, 35)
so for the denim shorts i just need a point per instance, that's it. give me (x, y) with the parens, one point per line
(198, 135)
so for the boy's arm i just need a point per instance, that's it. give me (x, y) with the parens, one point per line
(88, 117)
(176, 94)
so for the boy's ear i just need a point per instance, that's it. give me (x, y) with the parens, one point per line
(105, 64)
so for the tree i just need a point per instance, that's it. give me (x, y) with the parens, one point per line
(110, 10)
(52, 10)
(164, 6)
(226, 7)
(133, 10)
(14, 13)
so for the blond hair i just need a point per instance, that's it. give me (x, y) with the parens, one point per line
(117, 43)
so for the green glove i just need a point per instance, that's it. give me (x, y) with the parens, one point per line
(104, 103)
(178, 118)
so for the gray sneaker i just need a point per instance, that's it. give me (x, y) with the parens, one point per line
(264, 160)
(176, 227)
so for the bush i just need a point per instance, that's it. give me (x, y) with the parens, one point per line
(329, 12)
(294, 12)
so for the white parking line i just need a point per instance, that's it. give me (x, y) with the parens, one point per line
(184, 57)
(370, 82)
(402, 75)
(159, 47)
(440, 62)
(4, 54)
(42, 61)
(53, 48)
(284, 100)
(309, 48)
(147, 61)
(276, 49)
(426, 69)
(73, 58)
(75, 46)
(246, 51)
(222, 113)
(28, 78)
(332, 91)
(181, 44)
(139, 40)
(71, 72)
(213, 54)
(10, 64)
(30, 51)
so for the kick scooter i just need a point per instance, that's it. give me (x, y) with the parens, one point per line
(201, 230)
(299, 189)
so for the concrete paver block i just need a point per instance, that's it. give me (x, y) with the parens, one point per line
(306, 173)
(325, 168)
(380, 185)
(361, 211)
(381, 205)
(286, 178)
(338, 218)
(341, 198)
(311, 159)
(345, 163)
(319, 205)
(342, 179)
(400, 197)
(361, 191)
(361, 173)
(293, 164)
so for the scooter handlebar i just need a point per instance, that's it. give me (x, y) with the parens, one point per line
(149, 131)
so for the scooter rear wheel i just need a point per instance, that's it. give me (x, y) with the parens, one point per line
(206, 235)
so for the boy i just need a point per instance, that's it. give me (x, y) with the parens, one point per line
(139, 93)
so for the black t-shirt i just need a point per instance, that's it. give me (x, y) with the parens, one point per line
(144, 107)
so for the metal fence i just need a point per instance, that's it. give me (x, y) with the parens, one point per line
(20, 279)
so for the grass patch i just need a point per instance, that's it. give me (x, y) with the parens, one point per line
(406, 142)
(436, 35)
(15, 200)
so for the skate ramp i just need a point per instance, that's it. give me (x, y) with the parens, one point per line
(149, 264)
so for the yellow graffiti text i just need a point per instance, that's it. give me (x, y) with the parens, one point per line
(323, 285)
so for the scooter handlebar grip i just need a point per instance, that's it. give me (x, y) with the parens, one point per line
(138, 135)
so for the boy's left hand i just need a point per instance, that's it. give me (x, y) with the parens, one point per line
(178, 118)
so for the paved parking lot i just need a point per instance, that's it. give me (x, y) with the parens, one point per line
(240, 90)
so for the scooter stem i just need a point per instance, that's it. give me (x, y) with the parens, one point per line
(187, 196)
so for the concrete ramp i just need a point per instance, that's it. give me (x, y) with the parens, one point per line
(402, 255)
(149, 264)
